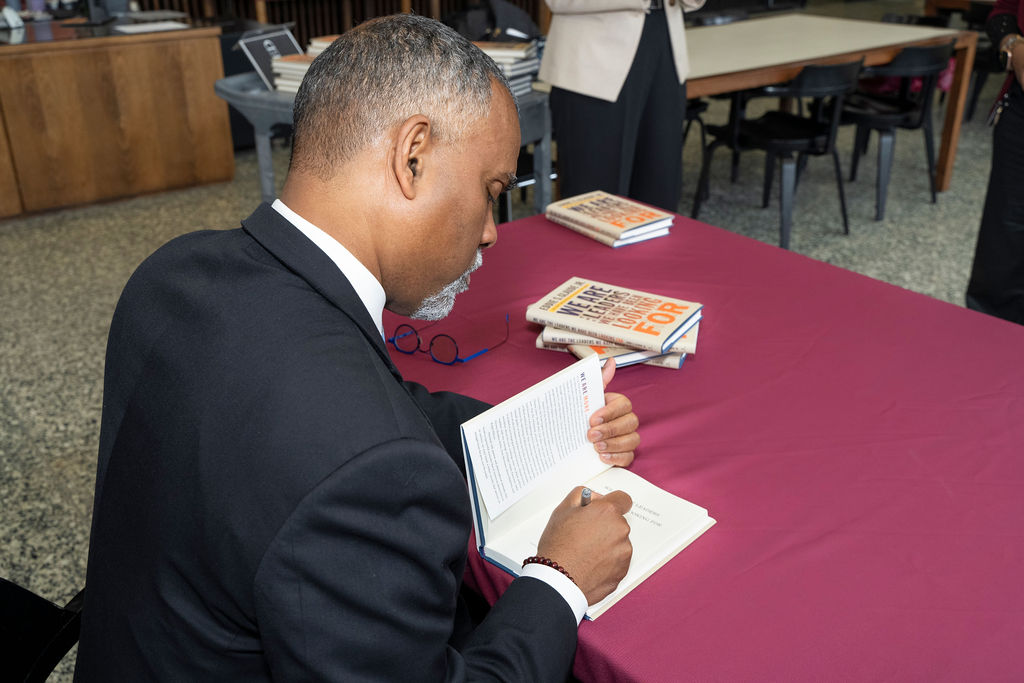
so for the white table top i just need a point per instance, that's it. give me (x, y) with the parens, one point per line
(791, 37)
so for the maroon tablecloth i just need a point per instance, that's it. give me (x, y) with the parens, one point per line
(861, 446)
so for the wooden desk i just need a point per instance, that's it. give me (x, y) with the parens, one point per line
(757, 52)
(93, 118)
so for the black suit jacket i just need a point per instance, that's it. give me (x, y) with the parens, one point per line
(273, 502)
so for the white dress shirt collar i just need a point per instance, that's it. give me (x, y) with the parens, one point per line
(362, 280)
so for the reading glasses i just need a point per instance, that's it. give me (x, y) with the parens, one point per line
(442, 347)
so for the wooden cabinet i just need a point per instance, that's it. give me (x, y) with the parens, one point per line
(99, 118)
(10, 200)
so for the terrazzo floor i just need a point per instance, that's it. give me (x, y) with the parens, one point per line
(61, 274)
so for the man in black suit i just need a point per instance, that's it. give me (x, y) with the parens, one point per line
(273, 502)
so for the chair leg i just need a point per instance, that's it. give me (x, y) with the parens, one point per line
(703, 135)
(929, 150)
(788, 184)
(886, 142)
(703, 150)
(703, 189)
(801, 166)
(842, 194)
(734, 173)
(859, 147)
(769, 173)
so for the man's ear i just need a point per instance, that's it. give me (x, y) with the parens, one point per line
(413, 141)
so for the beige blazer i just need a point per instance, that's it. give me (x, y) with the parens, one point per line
(591, 43)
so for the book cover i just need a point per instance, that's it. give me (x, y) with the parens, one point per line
(673, 361)
(633, 238)
(607, 214)
(261, 49)
(624, 357)
(518, 474)
(555, 335)
(551, 346)
(625, 317)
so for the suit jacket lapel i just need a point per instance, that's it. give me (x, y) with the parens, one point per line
(305, 259)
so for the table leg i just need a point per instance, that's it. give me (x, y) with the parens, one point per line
(542, 167)
(265, 162)
(957, 96)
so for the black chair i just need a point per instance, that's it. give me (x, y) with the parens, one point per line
(902, 109)
(781, 134)
(35, 634)
(695, 110)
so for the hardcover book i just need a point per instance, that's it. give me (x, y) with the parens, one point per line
(622, 220)
(555, 335)
(551, 346)
(625, 317)
(624, 357)
(518, 474)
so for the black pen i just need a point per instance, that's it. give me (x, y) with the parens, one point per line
(585, 497)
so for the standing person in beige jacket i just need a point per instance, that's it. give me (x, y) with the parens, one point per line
(618, 70)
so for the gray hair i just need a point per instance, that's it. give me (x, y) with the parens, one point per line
(381, 73)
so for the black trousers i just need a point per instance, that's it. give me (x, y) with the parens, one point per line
(997, 276)
(633, 146)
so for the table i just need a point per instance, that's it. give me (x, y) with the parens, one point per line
(767, 50)
(265, 109)
(861, 446)
(86, 117)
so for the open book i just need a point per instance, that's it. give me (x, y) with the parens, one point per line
(523, 456)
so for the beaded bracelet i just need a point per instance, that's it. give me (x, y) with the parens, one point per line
(537, 559)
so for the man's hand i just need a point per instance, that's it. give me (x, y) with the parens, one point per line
(613, 427)
(591, 542)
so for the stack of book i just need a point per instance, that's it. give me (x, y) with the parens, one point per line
(319, 44)
(518, 61)
(289, 71)
(585, 317)
(610, 219)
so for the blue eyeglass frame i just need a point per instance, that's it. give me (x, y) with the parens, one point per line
(404, 330)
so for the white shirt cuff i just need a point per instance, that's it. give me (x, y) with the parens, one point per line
(569, 591)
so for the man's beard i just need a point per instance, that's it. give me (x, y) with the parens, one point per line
(440, 304)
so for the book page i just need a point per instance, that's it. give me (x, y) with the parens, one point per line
(541, 429)
(660, 525)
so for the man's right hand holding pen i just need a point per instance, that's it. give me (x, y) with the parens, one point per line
(588, 534)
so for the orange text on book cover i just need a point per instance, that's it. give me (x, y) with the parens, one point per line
(623, 309)
(617, 212)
